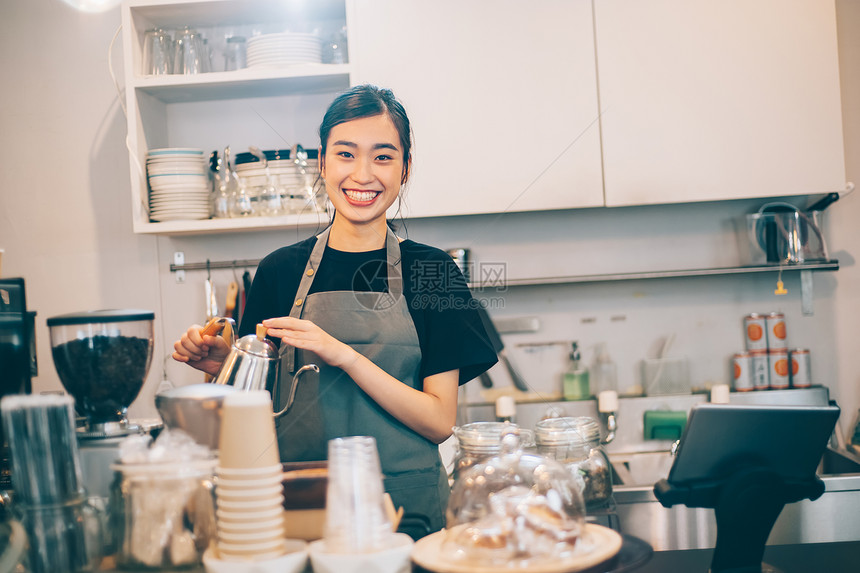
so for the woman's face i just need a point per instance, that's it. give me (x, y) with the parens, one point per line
(362, 168)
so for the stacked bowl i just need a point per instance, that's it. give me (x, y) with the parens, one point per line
(249, 490)
(178, 184)
(284, 49)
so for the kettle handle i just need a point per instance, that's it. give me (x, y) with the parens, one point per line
(295, 384)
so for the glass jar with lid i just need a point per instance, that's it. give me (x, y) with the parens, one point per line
(478, 441)
(575, 442)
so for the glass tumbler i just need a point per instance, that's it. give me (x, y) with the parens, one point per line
(235, 54)
(190, 55)
(157, 53)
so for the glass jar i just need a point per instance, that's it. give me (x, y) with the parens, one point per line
(481, 440)
(163, 513)
(514, 507)
(575, 442)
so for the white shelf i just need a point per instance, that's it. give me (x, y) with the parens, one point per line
(248, 82)
(244, 224)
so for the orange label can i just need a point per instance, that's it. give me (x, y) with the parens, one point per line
(776, 332)
(801, 371)
(778, 368)
(755, 333)
(743, 376)
(760, 372)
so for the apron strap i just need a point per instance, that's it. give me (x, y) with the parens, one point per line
(395, 280)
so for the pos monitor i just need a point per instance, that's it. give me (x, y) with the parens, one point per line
(747, 462)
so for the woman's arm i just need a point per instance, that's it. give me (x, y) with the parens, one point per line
(431, 412)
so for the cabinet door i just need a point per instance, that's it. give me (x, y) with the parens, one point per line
(501, 94)
(718, 99)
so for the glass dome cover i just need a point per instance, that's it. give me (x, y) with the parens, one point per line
(515, 509)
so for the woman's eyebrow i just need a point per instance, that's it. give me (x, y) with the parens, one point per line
(375, 147)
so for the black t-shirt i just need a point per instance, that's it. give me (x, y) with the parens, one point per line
(450, 331)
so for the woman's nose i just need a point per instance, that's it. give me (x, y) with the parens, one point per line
(362, 172)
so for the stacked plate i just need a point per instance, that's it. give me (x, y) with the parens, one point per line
(284, 49)
(178, 184)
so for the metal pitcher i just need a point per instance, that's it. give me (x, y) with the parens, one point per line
(253, 364)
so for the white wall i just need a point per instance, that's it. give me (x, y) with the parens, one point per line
(65, 222)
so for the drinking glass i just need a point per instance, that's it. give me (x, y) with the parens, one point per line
(157, 52)
(235, 54)
(190, 55)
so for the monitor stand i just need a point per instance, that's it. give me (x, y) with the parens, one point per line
(746, 504)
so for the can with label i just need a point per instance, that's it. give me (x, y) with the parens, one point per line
(776, 334)
(760, 378)
(742, 367)
(801, 371)
(754, 327)
(778, 368)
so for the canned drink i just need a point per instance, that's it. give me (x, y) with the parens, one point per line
(754, 327)
(743, 375)
(778, 368)
(776, 334)
(760, 377)
(801, 372)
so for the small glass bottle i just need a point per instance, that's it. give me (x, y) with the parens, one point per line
(575, 442)
(575, 384)
(604, 373)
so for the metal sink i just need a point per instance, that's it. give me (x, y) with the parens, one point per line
(831, 518)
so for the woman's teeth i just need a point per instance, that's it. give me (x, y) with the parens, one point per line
(360, 195)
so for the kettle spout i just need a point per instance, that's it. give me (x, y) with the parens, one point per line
(292, 397)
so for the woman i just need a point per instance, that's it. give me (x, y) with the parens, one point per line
(390, 322)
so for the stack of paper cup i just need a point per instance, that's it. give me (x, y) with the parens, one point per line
(249, 490)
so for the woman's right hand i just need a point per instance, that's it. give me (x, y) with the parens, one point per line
(205, 353)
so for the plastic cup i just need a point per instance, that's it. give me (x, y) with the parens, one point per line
(356, 520)
(248, 439)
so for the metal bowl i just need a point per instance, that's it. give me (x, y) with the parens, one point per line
(196, 409)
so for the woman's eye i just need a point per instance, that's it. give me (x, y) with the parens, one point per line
(383, 158)
(345, 154)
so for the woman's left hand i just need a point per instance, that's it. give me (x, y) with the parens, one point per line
(306, 335)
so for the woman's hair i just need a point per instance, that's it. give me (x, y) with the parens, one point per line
(367, 101)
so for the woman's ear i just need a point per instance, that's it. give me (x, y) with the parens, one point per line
(321, 161)
(407, 171)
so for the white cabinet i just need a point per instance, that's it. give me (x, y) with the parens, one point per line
(502, 97)
(718, 99)
(271, 108)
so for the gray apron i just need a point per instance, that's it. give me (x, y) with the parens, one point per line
(379, 326)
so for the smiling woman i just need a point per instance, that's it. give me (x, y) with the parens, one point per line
(390, 321)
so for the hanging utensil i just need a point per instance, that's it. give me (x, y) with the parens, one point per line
(499, 347)
(209, 292)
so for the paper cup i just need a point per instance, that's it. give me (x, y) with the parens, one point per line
(253, 483)
(250, 505)
(249, 473)
(248, 439)
(274, 493)
(225, 515)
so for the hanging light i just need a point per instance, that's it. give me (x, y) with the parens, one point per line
(93, 5)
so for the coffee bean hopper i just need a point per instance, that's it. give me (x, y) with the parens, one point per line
(102, 358)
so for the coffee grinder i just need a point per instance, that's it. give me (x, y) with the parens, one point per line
(17, 356)
(102, 358)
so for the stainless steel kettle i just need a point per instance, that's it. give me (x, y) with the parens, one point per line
(253, 364)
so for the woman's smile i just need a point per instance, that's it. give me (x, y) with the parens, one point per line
(361, 197)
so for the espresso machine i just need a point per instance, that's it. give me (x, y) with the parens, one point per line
(102, 358)
(17, 356)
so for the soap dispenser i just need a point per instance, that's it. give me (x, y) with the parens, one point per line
(604, 374)
(575, 385)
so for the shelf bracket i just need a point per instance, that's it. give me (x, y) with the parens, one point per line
(179, 260)
(806, 293)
